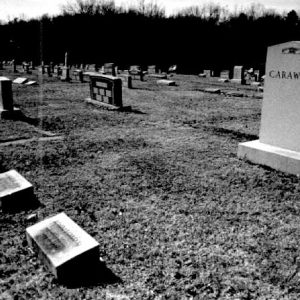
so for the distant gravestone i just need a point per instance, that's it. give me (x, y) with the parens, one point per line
(152, 69)
(225, 74)
(208, 73)
(126, 80)
(279, 146)
(106, 90)
(136, 72)
(6, 97)
(109, 69)
(78, 75)
(65, 74)
(20, 80)
(57, 71)
(15, 190)
(238, 75)
(64, 247)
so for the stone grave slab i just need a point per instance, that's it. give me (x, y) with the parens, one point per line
(166, 82)
(63, 246)
(15, 190)
(202, 75)
(212, 90)
(31, 82)
(279, 146)
(20, 80)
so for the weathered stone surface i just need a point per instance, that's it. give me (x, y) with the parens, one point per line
(64, 247)
(15, 190)
(279, 145)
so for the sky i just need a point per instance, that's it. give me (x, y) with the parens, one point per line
(10, 9)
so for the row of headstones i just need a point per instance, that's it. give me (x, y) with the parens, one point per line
(59, 242)
(239, 75)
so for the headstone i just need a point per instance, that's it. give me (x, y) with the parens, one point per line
(238, 75)
(48, 70)
(109, 69)
(126, 80)
(63, 246)
(14, 66)
(225, 74)
(152, 69)
(65, 74)
(20, 80)
(106, 89)
(136, 72)
(15, 190)
(6, 97)
(208, 73)
(279, 146)
(165, 82)
(57, 71)
(78, 75)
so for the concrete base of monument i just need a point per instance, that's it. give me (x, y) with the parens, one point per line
(274, 157)
(10, 114)
(107, 105)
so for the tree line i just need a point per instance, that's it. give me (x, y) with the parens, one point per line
(195, 38)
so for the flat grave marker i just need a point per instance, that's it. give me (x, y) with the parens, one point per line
(166, 82)
(279, 146)
(20, 80)
(63, 246)
(15, 190)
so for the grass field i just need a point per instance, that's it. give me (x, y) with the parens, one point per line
(176, 213)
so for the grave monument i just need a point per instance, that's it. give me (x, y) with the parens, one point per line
(279, 146)
(15, 190)
(7, 108)
(64, 247)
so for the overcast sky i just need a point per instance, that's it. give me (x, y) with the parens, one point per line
(34, 8)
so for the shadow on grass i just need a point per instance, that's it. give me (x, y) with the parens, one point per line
(14, 204)
(96, 275)
(19, 116)
(236, 135)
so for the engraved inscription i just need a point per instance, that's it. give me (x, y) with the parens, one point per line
(56, 238)
(7, 183)
(101, 84)
(291, 75)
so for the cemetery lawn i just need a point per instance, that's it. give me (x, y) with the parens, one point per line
(176, 213)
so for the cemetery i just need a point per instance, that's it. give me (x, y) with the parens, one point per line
(159, 195)
(157, 166)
